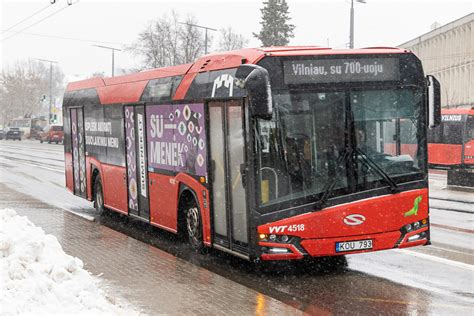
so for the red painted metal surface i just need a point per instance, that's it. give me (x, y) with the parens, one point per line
(86, 84)
(115, 187)
(469, 153)
(163, 201)
(461, 111)
(149, 74)
(121, 93)
(444, 154)
(382, 214)
(184, 86)
(405, 243)
(294, 254)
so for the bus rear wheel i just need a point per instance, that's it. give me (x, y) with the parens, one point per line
(99, 196)
(194, 225)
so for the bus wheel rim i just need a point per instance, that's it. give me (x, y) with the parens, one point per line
(99, 197)
(192, 221)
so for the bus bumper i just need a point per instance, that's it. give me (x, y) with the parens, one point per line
(300, 248)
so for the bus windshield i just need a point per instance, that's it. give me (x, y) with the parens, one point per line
(450, 131)
(358, 139)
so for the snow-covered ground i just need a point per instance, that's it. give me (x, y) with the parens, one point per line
(38, 277)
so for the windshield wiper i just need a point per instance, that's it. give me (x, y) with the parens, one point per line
(372, 164)
(347, 153)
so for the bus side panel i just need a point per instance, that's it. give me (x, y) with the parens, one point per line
(68, 166)
(163, 201)
(444, 154)
(115, 188)
(203, 199)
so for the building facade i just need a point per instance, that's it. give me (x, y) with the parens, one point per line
(447, 52)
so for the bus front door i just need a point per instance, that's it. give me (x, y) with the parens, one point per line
(137, 175)
(78, 152)
(226, 133)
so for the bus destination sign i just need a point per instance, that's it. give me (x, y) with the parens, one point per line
(341, 70)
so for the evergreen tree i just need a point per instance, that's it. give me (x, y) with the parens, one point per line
(276, 29)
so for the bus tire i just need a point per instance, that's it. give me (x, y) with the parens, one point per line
(193, 225)
(99, 196)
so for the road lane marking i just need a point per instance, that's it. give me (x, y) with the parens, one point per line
(457, 229)
(438, 259)
(451, 250)
(450, 210)
(382, 300)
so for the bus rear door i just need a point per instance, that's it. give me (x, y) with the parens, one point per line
(136, 161)
(227, 151)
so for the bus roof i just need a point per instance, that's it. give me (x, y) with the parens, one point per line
(225, 60)
(469, 111)
(129, 88)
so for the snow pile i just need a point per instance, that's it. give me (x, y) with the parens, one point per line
(37, 276)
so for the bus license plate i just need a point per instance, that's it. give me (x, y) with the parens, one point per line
(354, 245)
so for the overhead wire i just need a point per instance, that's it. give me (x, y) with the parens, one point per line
(72, 38)
(37, 22)
(27, 18)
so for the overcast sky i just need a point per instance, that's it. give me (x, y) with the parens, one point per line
(117, 23)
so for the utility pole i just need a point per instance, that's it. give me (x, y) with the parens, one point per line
(205, 33)
(351, 32)
(113, 55)
(51, 62)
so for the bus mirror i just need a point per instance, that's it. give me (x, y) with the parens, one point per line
(434, 102)
(257, 82)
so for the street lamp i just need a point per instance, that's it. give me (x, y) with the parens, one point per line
(51, 62)
(351, 32)
(205, 32)
(113, 55)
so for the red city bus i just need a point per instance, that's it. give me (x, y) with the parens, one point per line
(268, 154)
(451, 145)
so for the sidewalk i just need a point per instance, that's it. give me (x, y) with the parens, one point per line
(147, 277)
(444, 197)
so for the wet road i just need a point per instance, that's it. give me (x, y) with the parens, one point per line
(429, 280)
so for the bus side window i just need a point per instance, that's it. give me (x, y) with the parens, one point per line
(159, 90)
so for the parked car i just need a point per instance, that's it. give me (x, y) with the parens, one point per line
(52, 133)
(13, 133)
(2, 133)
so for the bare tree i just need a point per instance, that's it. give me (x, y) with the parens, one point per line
(191, 41)
(25, 87)
(231, 40)
(166, 42)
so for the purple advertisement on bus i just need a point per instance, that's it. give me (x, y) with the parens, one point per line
(131, 158)
(176, 138)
